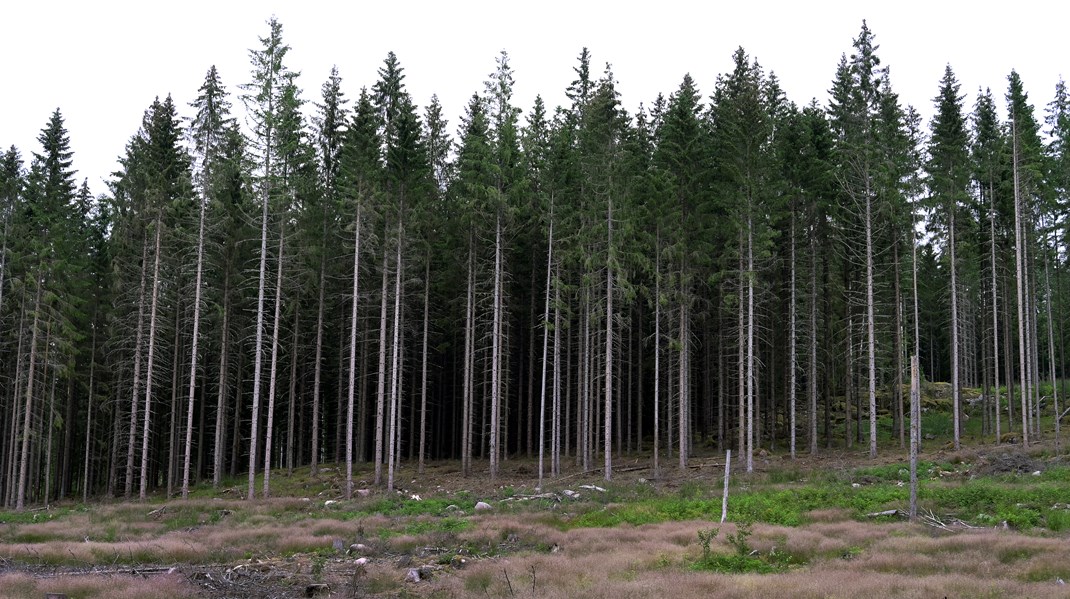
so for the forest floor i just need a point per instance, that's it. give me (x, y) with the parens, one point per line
(995, 522)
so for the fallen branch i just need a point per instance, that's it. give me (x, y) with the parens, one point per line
(884, 513)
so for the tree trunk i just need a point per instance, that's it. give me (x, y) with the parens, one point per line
(27, 410)
(258, 360)
(135, 396)
(871, 327)
(395, 369)
(273, 377)
(955, 392)
(318, 367)
(352, 357)
(791, 344)
(1019, 259)
(469, 364)
(147, 412)
(496, 348)
(608, 416)
(221, 397)
(292, 403)
(423, 366)
(750, 344)
(89, 411)
(657, 352)
(545, 348)
(193, 349)
(380, 396)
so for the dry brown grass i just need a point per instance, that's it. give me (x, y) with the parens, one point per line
(843, 559)
(162, 586)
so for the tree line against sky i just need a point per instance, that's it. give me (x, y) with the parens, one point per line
(373, 287)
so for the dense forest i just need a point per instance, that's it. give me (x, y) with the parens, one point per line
(270, 284)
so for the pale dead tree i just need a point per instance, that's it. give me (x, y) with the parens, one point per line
(273, 374)
(135, 395)
(147, 412)
(1019, 260)
(193, 349)
(395, 370)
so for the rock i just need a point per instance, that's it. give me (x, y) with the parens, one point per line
(329, 502)
(856, 486)
(483, 506)
(1036, 473)
(361, 562)
(413, 575)
(364, 492)
(452, 508)
(358, 548)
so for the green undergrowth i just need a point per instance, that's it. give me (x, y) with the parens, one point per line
(1023, 502)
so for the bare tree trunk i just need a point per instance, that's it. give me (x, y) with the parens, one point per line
(135, 395)
(545, 348)
(176, 376)
(750, 344)
(955, 391)
(395, 370)
(683, 423)
(292, 403)
(48, 442)
(1019, 257)
(657, 352)
(899, 352)
(221, 398)
(469, 366)
(352, 357)
(318, 368)
(423, 366)
(555, 459)
(147, 412)
(1051, 352)
(89, 410)
(496, 348)
(915, 432)
(258, 359)
(813, 344)
(741, 357)
(380, 396)
(608, 416)
(791, 343)
(995, 308)
(193, 349)
(273, 376)
(871, 327)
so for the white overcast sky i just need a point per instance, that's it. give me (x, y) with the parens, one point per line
(103, 62)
